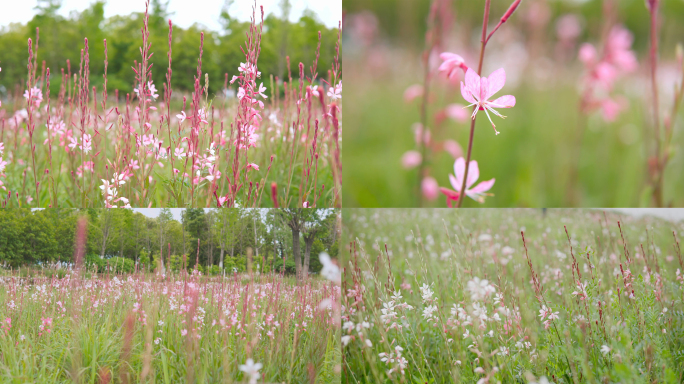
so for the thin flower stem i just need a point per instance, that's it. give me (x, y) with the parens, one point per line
(657, 190)
(472, 122)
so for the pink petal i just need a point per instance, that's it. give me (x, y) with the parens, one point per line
(473, 174)
(451, 195)
(472, 82)
(496, 81)
(465, 92)
(482, 187)
(456, 183)
(484, 86)
(459, 170)
(448, 56)
(507, 101)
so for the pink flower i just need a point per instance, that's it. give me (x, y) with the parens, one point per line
(335, 93)
(476, 193)
(429, 187)
(453, 148)
(610, 109)
(2, 164)
(181, 116)
(587, 54)
(261, 91)
(477, 91)
(2, 148)
(416, 90)
(179, 153)
(36, 95)
(457, 112)
(411, 159)
(184, 332)
(306, 204)
(618, 49)
(451, 63)
(252, 165)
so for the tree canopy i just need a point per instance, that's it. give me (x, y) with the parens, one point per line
(62, 38)
(131, 239)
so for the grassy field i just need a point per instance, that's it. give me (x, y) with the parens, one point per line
(435, 297)
(152, 329)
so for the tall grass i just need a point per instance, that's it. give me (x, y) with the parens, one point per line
(262, 141)
(166, 329)
(512, 296)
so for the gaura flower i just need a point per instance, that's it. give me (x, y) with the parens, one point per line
(476, 193)
(452, 62)
(477, 90)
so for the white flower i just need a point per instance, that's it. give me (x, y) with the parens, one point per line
(426, 292)
(345, 340)
(605, 349)
(427, 312)
(181, 117)
(479, 289)
(251, 369)
(330, 270)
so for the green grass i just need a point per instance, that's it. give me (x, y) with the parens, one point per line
(87, 343)
(447, 251)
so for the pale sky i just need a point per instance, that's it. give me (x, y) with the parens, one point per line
(184, 13)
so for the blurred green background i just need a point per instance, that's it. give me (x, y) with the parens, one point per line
(548, 154)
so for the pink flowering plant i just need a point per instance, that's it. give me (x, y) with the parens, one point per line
(504, 296)
(263, 141)
(476, 90)
(593, 95)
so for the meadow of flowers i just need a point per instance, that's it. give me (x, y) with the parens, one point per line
(173, 328)
(592, 90)
(263, 141)
(511, 296)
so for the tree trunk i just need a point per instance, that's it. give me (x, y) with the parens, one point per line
(161, 245)
(223, 242)
(308, 242)
(256, 243)
(297, 255)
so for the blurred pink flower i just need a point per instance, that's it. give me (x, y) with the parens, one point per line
(415, 90)
(421, 135)
(477, 91)
(453, 148)
(36, 96)
(411, 159)
(568, 27)
(476, 193)
(452, 62)
(610, 109)
(618, 49)
(457, 112)
(429, 187)
(587, 54)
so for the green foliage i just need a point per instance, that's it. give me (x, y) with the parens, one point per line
(61, 39)
(95, 263)
(290, 268)
(121, 265)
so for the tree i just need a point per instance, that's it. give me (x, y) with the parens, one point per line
(163, 220)
(39, 238)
